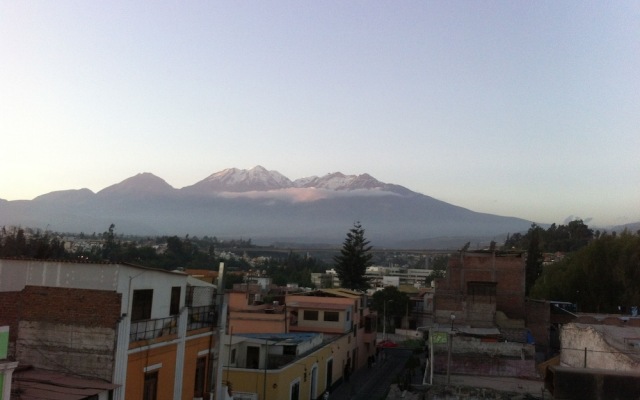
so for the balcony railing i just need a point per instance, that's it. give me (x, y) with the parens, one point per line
(153, 328)
(202, 317)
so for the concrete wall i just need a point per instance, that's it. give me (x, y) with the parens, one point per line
(70, 348)
(476, 347)
(589, 384)
(585, 346)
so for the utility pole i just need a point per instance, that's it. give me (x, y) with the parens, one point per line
(222, 324)
(266, 366)
(449, 359)
(384, 320)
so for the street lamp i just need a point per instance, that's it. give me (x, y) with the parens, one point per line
(453, 318)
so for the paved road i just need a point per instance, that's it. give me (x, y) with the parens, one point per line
(372, 383)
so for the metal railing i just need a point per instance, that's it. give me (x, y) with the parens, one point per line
(153, 328)
(202, 317)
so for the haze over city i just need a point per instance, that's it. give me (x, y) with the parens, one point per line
(511, 108)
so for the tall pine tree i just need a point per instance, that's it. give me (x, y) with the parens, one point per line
(354, 259)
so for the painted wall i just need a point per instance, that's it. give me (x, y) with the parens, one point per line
(195, 347)
(279, 382)
(161, 359)
(256, 322)
(4, 342)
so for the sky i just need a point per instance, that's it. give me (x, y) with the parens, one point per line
(525, 109)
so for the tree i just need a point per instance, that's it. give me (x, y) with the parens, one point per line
(438, 266)
(390, 304)
(111, 247)
(354, 259)
(533, 266)
(600, 277)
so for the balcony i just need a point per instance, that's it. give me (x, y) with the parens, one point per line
(202, 317)
(153, 328)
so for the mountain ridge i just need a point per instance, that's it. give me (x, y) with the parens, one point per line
(264, 205)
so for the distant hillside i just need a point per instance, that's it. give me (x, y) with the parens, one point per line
(267, 207)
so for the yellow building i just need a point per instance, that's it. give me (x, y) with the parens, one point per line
(297, 366)
(337, 323)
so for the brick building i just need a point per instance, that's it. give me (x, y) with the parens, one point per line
(479, 283)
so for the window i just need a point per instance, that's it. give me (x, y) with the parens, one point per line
(329, 380)
(175, 301)
(150, 386)
(141, 307)
(481, 289)
(201, 369)
(295, 390)
(233, 356)
(332, 316)
(348, 315)
(310, 315)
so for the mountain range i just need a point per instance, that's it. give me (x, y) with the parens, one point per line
(267, 207)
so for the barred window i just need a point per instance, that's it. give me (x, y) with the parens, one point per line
(331, 316)
(310, 315)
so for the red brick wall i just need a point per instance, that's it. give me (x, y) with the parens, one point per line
(85, 307)
(538, 321)
(9, 312)
(506, 269)
(91, 308)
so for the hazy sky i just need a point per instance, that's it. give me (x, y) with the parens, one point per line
(527, 109)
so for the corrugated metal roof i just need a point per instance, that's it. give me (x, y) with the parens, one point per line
(33, 383)
(343, 292)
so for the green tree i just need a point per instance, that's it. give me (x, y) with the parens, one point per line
(438, 266)
(599, 277)
(390, 304)
(111, 247)
(353, 260)
(533, 266)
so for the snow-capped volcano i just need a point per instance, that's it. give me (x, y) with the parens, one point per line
(337, 181)
(241, 180)
(264, 205)
(259, 179)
